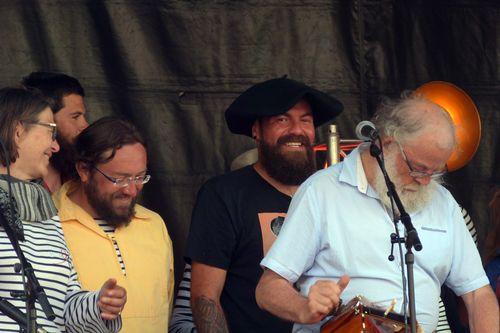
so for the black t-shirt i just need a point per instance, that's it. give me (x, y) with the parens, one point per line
(235, 220)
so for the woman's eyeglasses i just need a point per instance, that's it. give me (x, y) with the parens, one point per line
(51, 126)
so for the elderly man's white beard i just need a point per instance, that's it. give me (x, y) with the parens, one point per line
(413, 196)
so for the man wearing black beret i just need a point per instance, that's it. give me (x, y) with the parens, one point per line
(237, 215)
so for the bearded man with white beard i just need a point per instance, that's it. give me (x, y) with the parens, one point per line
(336, 238)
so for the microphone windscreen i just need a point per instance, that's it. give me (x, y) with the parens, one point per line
(364, 130)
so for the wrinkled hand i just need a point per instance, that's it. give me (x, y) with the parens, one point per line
(112, 299)
(323, 298)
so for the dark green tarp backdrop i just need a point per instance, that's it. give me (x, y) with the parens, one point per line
(174, 66)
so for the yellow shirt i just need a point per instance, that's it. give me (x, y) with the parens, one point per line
(146, 250)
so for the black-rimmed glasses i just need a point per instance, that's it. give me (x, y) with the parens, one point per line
(125, 181)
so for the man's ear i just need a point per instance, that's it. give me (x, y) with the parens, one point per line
(256, 130)
(387, 141)
(83, 171)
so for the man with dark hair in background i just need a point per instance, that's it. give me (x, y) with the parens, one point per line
(232, 222)
(66, 94)
(108, 234)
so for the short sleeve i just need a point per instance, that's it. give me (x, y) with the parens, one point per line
(295, 249)
(212, 235)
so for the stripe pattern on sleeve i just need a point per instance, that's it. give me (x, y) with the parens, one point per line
(45, 248)
(182, 317)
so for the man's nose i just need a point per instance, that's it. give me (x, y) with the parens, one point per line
(423, 180)
(83, 124)
(131, 189)
(296, 128)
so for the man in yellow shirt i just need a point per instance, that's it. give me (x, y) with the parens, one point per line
(108, 234)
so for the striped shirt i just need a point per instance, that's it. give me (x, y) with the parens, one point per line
(46, 250)
(182, 317)
(110, 231)
(443, 326)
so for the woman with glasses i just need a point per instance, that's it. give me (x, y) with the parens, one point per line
(28, 132)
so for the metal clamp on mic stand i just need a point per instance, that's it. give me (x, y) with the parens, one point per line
(367, 131)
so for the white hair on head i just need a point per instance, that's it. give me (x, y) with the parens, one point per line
(398, 118)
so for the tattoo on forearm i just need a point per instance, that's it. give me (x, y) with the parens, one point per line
(208, 316)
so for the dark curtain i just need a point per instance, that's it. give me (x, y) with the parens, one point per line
(173, 67)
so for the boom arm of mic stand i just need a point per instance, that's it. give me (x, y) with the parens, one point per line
(12, 312)
(412, 239)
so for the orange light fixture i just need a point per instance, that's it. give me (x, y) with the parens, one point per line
(465, 116)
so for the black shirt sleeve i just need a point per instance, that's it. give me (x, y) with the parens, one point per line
(212, 235)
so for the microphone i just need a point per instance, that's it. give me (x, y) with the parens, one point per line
(366, 131)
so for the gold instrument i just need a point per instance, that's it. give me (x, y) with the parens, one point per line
(465, 116)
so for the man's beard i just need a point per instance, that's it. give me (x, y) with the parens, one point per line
(103, 204)
(414, 200)
(288, 167)
(63, 161)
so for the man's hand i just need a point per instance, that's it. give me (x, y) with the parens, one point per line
(111, 300)
(323, 298)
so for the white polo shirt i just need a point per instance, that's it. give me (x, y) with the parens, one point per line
(337, 225)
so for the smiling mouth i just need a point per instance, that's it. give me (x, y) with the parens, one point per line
(123, 200)
(293, 144)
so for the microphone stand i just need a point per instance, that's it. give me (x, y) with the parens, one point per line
(412, 239)
(33, 291)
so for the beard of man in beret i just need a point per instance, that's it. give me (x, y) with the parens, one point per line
(288, 167)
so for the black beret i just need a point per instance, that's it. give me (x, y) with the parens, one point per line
(277, 96)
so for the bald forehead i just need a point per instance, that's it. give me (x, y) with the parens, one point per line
(437, 125)
(427, 109)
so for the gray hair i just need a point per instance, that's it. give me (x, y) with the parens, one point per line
(397, 118)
